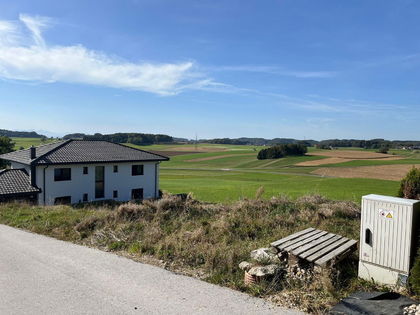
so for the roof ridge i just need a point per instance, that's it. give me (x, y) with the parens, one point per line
(50, 151)
(126, 146)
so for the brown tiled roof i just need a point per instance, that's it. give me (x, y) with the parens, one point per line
(82, 151)
(16, 182)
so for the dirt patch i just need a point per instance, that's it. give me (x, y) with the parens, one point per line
(341, 156)
(332, 160)
(217, 157)
(388, 172)
(354, 154)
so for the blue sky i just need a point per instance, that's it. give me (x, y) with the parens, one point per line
(293, 68)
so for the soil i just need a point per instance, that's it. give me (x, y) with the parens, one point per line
(387, 172)
(353, 154)
(341, 156)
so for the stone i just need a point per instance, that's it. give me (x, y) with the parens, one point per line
(262, 271)
(245, 266)
(265, 256)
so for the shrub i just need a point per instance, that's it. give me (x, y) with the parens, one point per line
(383, 149)
(410, 185)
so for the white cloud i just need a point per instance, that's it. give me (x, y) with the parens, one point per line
(277, 71)
(31, 59)
(35, 24)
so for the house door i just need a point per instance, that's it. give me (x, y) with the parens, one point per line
(99, 182)
(137, 194)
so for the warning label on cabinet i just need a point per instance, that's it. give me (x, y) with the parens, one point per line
(387, 214)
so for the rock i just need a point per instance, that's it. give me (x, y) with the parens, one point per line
(245, 266)
(262, 271)
(264, 256)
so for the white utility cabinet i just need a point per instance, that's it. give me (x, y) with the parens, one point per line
(388, 238)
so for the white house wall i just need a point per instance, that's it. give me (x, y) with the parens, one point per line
(80, 184)
(16, 165)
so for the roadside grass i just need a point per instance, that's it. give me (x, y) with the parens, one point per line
(213, 239)
(229, 186)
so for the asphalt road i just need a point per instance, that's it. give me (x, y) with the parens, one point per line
(41, 275)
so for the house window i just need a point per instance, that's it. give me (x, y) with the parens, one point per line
(137, 170)
(115, 194)
(65, 200)
(99, 182)
(137, 194)
(115, 168)
(85, 170)
(62, 174)
(85, 197)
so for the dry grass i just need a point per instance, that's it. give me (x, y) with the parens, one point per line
(388, 172)
(332, 160)
(209, 238)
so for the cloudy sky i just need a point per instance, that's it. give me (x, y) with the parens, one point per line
(283, 68)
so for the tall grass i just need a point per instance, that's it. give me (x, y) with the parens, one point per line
(212, 238)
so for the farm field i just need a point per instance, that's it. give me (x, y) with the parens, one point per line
(226, 173)
(27, 142)
(234, 172)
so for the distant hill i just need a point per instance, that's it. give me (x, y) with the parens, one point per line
(259, 141)
(20, 134)
(134, 138)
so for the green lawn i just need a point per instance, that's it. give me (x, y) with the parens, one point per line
(27, 142)
(228, 186)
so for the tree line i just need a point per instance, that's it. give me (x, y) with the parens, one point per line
(20, 134)
(366, 144)
(6, 146)
(282, 150)
(134, 138)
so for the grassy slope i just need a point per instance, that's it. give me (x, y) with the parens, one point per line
(27, 142)
(227, 186)
(208, 182)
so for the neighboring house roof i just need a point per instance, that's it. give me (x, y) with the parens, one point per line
(16, 182)
(82, 152)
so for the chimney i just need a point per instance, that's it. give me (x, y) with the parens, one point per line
(33, 152)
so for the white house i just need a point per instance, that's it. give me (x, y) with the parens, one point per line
(74, 171)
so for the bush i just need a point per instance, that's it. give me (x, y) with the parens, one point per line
(383, 149)
(410, 185)
(279, 151)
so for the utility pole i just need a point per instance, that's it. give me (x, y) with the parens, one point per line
(196, 141)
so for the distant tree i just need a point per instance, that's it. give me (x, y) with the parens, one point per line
(410, 185)
(383, 149)
(6, 146)
(279, 151)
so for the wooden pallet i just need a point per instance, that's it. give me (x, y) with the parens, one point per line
(315, 246)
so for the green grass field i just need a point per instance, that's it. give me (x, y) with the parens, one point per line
(238, 174)
(232, 172)
(27, 142)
